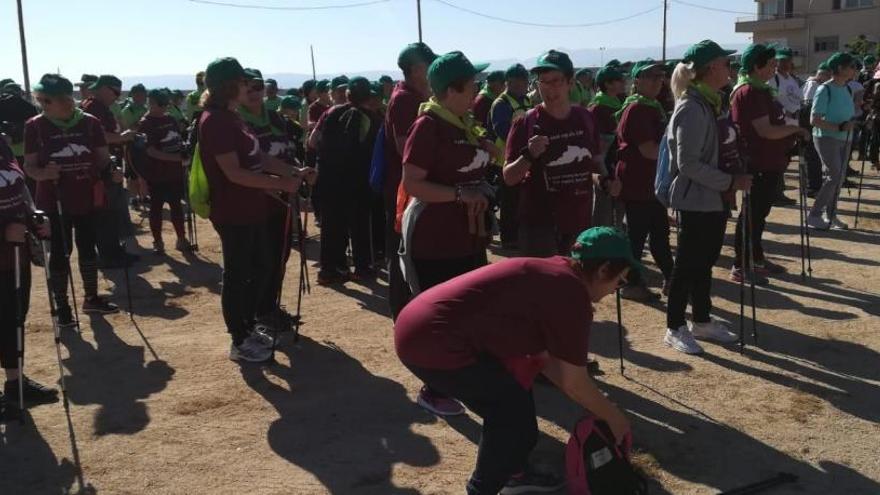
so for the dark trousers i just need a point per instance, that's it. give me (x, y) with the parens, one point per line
(874, 141)
(377, 228)
(344, 217)
(245, 275)
(277, 254)
(78, 230)
(434, 272)
(813, 168)
(700, 237)
(761, 198)
(509, 203)
(9, 319)
(644, 220)
(161, 193)
(113, 222)
(510, 430)
(398, 290)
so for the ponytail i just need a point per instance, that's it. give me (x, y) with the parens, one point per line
(682, 77)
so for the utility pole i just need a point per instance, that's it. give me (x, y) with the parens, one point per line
(418, 11)
(312, 50)
(24, 62)
(665, 10)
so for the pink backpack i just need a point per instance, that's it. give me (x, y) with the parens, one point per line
(596, 466)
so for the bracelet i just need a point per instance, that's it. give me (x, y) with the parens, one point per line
(458, 194)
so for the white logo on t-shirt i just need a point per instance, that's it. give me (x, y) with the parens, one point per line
(276, 148)
(572, 154)
(9, 177)
(481, 160)
(170, 137)
(256, 149)
(71, 150)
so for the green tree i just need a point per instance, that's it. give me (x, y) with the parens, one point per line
(862, 46)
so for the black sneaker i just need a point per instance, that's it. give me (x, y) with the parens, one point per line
(851, 172)
(330, 277)
(811, 193)
(362, 274)
(158, 248)
(65, 317)
(99, 305)
(531, 482)
(784, 201)
(34, 393)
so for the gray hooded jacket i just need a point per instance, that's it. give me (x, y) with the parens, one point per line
(694, 147)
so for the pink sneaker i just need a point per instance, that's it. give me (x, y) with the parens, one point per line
(439, 404)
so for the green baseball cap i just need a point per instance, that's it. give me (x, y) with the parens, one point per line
(554, 60)
(385, 79)
(755, 52)
(308, 86)
(608, 74)
(451, 67)
(704, 52)
(159, 96)
(222, 70)
(645, 65)
(839, 60)
(87, 79)
(516, 71)
(11, 88)
(291, 103)
(583, 72)
(252, 74)
(53, 85)
(323, 86)
(177, 93)
(604, 243)
(4, 82)
(339, 82)
(292, 92)
(783, 53)
(613, 63)
(271, 82)
(376, 89)
(870, 60)
(138, 88)
(495, 76)
(415, 53)
(106, 81)
(359, 88)
(824, 66)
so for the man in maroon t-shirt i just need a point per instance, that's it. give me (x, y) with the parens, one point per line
(403, 108)
(65, 152)
(492, 88)
(765, 142)
(551, 151)
(319, 106)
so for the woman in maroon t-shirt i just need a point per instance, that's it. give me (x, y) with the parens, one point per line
(484, 336)
(444, 167)
(642, 122)
(238, 178)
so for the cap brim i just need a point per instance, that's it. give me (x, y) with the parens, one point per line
(544, 68)
(480, 68)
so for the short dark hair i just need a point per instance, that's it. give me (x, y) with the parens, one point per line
(763, 59)
(458, 85)
(592, 266)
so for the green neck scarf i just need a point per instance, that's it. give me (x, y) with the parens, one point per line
(609, 101)
(754, 82)
(259, 121)
(644, 100)
(66, 125)
(485, 92)
(136, 108)
(712, 97)
(471, 131)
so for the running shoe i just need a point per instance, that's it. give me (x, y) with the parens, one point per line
(767, 267)
(439, 404)
(250, 350)
(65, 317)
(713, 330)
(817, 223)
(682, 340)
(837, 224)
(99, 305)
(531, 482)
(737, 275)
(34, 393)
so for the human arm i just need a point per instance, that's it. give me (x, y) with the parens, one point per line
(766, 130)
(230, 166)
(689, 127)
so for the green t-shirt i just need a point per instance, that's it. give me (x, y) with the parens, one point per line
(132, 114)
(192, 103)
(177, 114)
(116, 110)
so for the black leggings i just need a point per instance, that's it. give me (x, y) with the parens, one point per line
(277, 254)
(8, 318)
(510, 430)
(161, 193)
(700, 237)
(644, 219)
(78, 230)
(245, 275)
(344, 216)
(761, 197)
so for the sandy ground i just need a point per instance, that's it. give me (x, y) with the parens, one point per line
(156, 406)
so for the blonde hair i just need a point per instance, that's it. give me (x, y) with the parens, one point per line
(684, 75)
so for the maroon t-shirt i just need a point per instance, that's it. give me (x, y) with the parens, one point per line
(403, 108)
(73, 149)
(512, 309)
(316, 109)
(12, 208)
(558, 190)
(163, 134)
(764, 155)
(605, 121)
(102, 112)
(482, 105)
(222, 131)
(639, 124)
(442, 150)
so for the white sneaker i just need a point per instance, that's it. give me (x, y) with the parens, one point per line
(682, 340)
(250, 350)
(817, 223)
(262, 334)
(836, 224)
(713, 330)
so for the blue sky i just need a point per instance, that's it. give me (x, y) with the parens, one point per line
(153, 37)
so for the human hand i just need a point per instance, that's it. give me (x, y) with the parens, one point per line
(742, 182)
(14, 233)
(475, 201)
(538, 145)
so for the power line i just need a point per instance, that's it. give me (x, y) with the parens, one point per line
(713, 9)
(277, 7)
(538, 24)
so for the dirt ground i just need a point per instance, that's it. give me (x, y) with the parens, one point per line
(156, 407)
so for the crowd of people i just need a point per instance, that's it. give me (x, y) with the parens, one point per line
(415, 178)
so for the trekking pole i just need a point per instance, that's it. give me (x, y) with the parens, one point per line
(285, 248)
(751, 262)
(742, 282)
(804, 182)
(67, 249)
(802, 201)
(19, 332)
(619, 332)
(125, 266)
(861, 179)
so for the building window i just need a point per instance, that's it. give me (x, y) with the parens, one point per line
(827, 44)
(856, 4)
